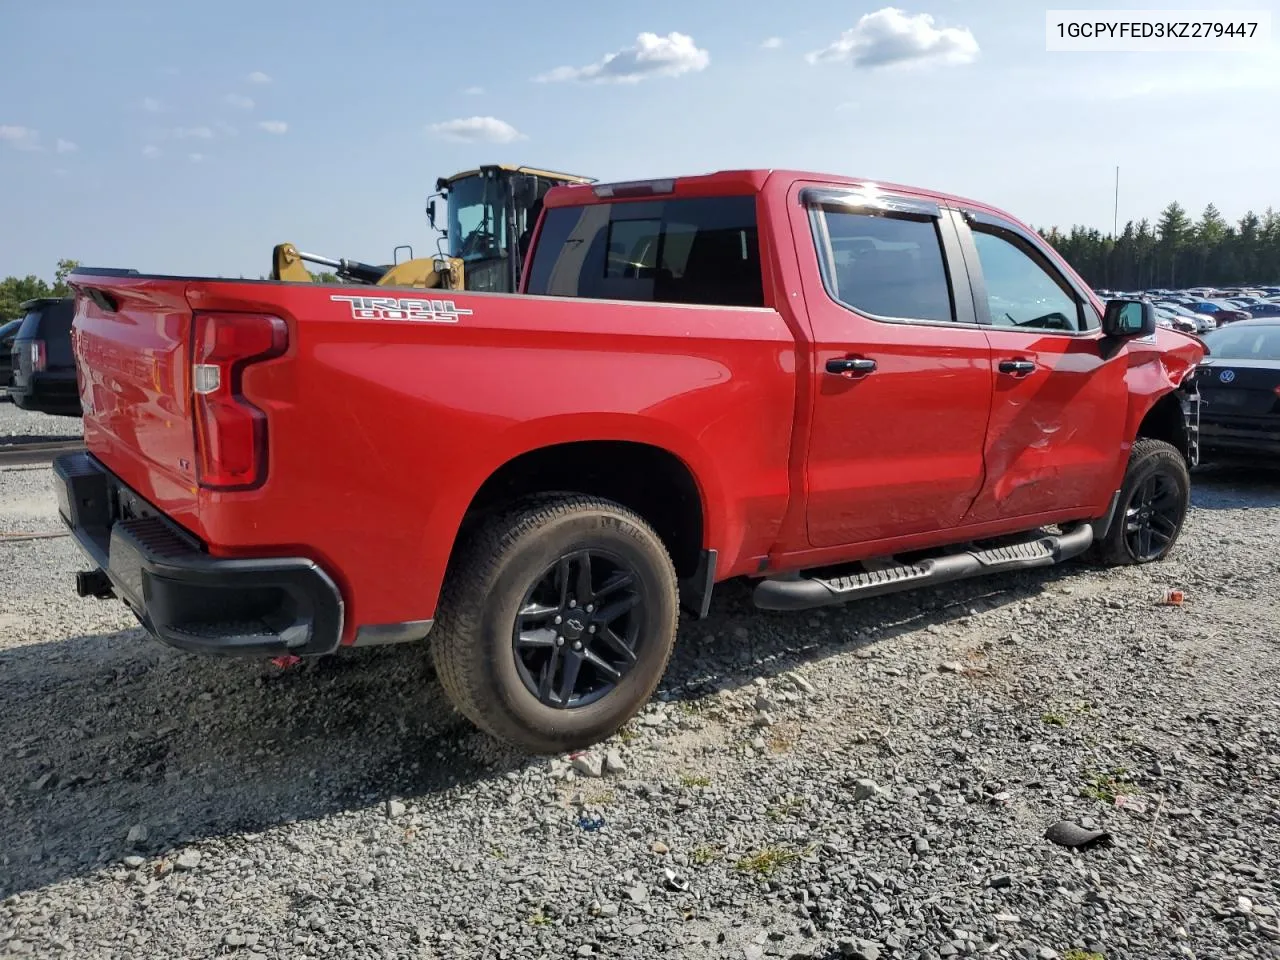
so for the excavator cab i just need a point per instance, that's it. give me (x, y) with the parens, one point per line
(491, 212)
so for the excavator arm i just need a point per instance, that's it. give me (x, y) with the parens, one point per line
(434, 273)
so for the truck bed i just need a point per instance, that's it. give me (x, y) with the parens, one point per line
(389, 409)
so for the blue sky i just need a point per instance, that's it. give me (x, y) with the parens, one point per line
(190, 138)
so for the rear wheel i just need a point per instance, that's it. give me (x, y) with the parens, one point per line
(556, 622)
(1152, 507)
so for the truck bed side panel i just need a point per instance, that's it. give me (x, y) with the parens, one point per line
(382, 430)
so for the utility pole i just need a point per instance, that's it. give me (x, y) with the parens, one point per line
(1115, 222)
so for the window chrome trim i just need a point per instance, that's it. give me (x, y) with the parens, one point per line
(869, 200)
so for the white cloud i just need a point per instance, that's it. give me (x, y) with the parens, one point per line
(195, 157)
(773, 43)
(273, 126)
(21, 138)
(259, 77)
(193, 133)
(477, 130)
(151, 104)
(151, 151)
(239, 101)
(889, 36)
(650, 56)
(474, 91)
(65, 146)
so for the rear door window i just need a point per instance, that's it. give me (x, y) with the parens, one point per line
(886, 266)
(703, 250)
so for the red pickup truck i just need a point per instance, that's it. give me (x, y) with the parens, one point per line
(836, 387)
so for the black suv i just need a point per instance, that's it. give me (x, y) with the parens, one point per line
(44, 369)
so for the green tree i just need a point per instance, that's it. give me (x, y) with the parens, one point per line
(60, 288)
(1173, 229)
(14, 291)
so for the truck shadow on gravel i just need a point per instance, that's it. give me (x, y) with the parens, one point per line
(107, 735)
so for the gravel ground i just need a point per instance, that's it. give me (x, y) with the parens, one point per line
(871, 781)
(18, 425)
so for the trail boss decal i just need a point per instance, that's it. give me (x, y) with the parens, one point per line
(391, 308)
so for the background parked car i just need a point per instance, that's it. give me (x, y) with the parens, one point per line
(1192, 322)
(1239, 384)
(7, 333)
(44, 369)
(1220, 311)
(1265, 308)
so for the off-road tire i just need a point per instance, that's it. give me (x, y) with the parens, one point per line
(499, 559)
(1146, 459)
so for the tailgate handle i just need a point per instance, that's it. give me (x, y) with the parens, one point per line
(101, 298)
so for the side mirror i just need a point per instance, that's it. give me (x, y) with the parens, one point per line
(431, 212)
(1129, 318)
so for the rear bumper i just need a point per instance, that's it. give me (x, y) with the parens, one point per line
(54, 393)
(1255, 436)
(182, 595)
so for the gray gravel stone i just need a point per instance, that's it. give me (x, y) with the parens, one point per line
(588, 765)
(865, 789)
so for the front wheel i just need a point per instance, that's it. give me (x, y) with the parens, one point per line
(556, 622)
(1152, 506)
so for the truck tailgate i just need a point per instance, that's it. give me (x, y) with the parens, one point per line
(131, 339)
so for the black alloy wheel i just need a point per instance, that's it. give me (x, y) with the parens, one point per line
(578, 628)
(1153, 517)
(1151, 509)
(556, 621)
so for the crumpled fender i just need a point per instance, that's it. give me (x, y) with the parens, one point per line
(1158, 366)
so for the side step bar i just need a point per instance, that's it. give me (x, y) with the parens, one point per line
(804, 593)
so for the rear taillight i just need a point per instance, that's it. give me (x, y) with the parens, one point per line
(39, 358)
(231, 433)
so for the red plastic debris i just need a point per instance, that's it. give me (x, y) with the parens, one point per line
(1174, 598)
(286, 660)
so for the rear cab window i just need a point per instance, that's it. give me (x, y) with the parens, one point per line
(696, 250)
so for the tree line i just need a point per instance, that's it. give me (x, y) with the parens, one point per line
(1174, 252)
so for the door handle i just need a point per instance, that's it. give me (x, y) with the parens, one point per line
(851, 366)
(1017, 367)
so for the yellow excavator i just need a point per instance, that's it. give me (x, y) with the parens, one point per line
(489, 214)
